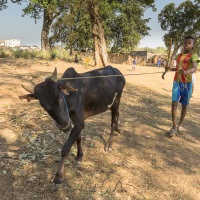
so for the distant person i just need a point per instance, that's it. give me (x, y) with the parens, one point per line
(76, 59)
(87, 60)
(134, 64)
(159, 62)
(182, 85)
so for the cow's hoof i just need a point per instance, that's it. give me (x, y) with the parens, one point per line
(78, 162)
(118, 130)
(56, 187)
(58, 179)
(79, 158)
(107, 148)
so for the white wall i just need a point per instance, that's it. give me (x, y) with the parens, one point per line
(12, 43)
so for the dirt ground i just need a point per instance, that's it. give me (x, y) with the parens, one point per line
(144, 163)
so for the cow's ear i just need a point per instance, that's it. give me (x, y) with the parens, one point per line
(66, 87)
(28, 97)
(65, 91)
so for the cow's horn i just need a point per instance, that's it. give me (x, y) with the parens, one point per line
(54, 75)
(29, 89)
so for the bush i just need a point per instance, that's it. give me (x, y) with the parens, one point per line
(17, 53)
(61, 54)
(2, 54)
(55, 53)
(43, 55)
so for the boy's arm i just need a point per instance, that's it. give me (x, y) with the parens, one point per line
(194, 66)
(193, 69)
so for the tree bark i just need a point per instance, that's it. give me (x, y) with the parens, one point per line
(176, 48)
(100, 49)
(47, 21)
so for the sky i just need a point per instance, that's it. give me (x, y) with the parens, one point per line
(14, 26)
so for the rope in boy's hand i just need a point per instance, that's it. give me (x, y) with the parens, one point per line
(168, 57)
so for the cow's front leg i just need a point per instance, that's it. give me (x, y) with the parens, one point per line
(65, 151)
(79, 151)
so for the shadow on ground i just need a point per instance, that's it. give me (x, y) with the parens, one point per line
(132, 170)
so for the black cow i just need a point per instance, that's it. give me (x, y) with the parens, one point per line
(75, 100)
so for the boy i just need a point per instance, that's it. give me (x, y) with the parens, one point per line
(159, 62)
(182, 85)
(134, 64)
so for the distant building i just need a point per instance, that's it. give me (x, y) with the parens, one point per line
(10, 43)
(2, 43)
(140, 56)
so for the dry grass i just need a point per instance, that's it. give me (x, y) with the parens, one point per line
(144, 164)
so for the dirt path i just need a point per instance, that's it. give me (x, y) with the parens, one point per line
(144, 164)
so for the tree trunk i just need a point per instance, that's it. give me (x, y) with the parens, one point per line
(47, 21)
(70, 51)
(100, 49)
(176, 48)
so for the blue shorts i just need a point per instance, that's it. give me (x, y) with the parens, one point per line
(182, 92)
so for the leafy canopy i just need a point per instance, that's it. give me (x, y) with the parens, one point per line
(122, 20)
(180, 21)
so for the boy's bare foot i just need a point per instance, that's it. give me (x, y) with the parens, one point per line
(182, 129)
(171, 132)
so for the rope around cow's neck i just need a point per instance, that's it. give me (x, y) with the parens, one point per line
(66, 108)
(90, 77)
(67, 111)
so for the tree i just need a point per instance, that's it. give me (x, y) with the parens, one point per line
(73, 29)
(50, 9)
(179, 22)
(115, 24)
(3, 4)
(100, 48)
(126, 25)
(104, 14)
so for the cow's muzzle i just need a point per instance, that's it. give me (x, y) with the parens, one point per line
(66, 128)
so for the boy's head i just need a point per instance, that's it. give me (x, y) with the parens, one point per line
(189, 43)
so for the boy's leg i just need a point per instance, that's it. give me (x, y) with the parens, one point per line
(173, 130)
(183, 114)
(174, 113)
(187, 93)
(192, 88)
(175, 98)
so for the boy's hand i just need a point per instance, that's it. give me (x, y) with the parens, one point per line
(183, 72)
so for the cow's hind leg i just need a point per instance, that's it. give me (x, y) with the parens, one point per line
(115, 113)
(114, 121)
